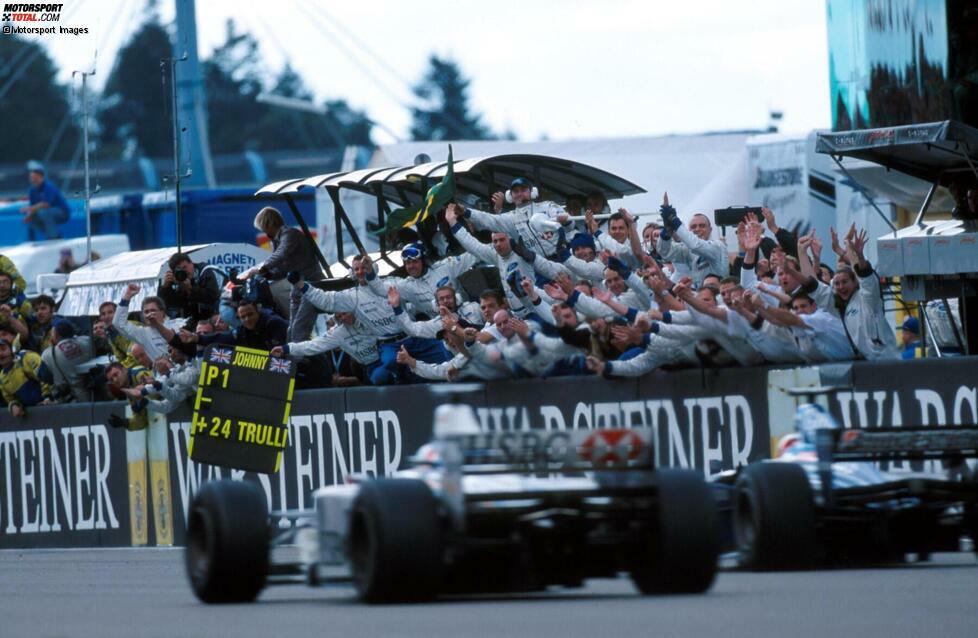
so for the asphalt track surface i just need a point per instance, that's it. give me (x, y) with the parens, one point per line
(143, 592)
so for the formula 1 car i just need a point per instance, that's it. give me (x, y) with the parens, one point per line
(825, 500)
(475, 512)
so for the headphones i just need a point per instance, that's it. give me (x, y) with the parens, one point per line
(534, 193)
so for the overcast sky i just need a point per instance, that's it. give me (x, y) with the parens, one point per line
(562, 69)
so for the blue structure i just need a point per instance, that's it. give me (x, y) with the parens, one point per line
(149, 219)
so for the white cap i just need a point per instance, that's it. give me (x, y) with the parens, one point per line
(35, 166)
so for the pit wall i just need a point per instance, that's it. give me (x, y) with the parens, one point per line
(66, 480)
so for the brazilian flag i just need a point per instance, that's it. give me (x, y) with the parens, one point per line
(437, 197)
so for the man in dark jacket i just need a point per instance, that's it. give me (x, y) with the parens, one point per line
(293, 252)
(260, 329)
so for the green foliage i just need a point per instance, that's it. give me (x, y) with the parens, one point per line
(34, 109)
(234, 80)
(448, 117)
(135, 109)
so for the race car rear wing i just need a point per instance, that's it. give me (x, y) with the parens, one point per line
(891, 444)
(549, 451)
(897, 443)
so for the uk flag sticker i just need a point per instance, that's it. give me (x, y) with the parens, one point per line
(279, 365)
(221, 355)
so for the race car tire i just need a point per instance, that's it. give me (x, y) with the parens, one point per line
(395, 541)
(227, 542)
(680, 556)
(774, 517)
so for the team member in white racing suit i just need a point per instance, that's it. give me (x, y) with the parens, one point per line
(512, 268)
(859, 302)
(375, 314)
(531, 221)
(419, 288)
(348, 335)
(695, 249)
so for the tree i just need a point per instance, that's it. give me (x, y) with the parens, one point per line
(448, 117)
(37, 119)
(283, 128)
(135, 112)
(235, 79)
(232, 82)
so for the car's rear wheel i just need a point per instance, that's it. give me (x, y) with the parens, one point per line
(774, 517)
(680, 555)
(227, 542)
(395, 541)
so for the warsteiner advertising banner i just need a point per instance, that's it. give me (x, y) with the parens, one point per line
(64, 480)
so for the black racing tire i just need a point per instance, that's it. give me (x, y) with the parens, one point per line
(396, 541)
(227, 542)
(681, 553)
(774, 517)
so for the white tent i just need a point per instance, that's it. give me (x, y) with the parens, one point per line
(106, 279)
(35, 258)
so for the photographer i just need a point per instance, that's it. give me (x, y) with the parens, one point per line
(189, 290)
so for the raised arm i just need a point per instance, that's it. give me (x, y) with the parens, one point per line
(470, 243)
(329, 300)
(685, 293)
(302, 349)
(423, 329)
(781, 317)
(498, 223)
(804, 261)
(605, 297)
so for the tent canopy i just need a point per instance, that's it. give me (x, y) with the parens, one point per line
(557, 177)
(106, 279)
(934, 152)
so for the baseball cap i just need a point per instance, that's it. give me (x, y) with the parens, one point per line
(581, 240)
(35, 166)
(911, 324)
(520, 181)
(412, 251)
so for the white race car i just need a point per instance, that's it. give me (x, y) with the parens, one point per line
(475, 512)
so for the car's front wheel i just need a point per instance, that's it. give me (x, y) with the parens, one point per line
(227, 542)
(774, 517)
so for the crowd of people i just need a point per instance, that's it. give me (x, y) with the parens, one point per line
(573, 294)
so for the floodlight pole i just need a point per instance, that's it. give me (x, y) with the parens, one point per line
(172, 63)
(88, 190)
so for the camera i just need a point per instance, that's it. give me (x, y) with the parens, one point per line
(179, 276)
(733, 215)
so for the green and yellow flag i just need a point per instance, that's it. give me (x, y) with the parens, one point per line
(437, 197)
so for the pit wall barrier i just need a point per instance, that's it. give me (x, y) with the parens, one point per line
(67, 480)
